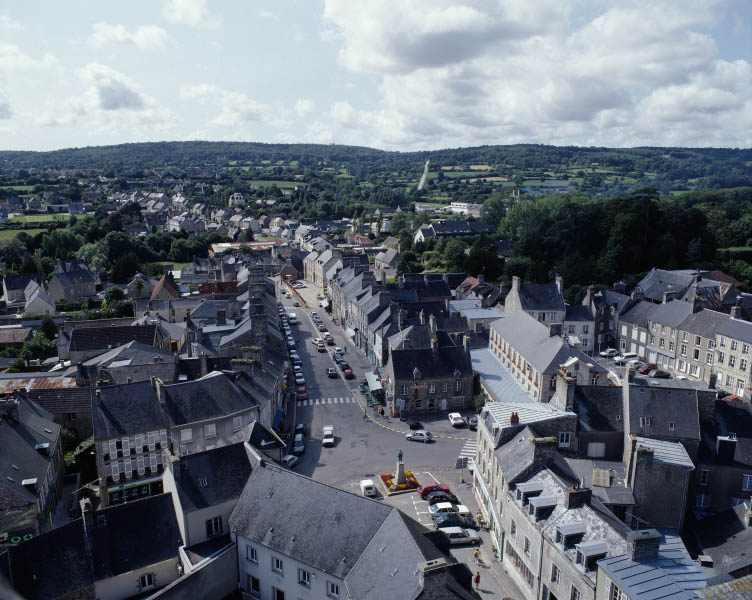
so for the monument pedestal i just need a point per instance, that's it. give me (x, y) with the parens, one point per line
(399, 474)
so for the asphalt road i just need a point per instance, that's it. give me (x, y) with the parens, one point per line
(363, 448)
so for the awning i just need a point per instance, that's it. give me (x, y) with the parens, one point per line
(374, 384)
(351, 332)
(278, 419)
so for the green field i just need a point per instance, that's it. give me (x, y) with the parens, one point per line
(9, 234)
(40, 218)
(279, 184)
(17, 188)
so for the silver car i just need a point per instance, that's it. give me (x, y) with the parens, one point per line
(458, 535)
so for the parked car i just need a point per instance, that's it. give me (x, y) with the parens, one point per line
(609, 353)
(299, 379)
(455, 520)
(428, 488)
(441, 508)
(435, 497)
(331, 372)
(414, 424)
(367, 488)
(289, 460)
(733, 398)
(472, 422)
(328, 438)
(458, 535)
(329, 341)
(646, 368)
(627, 356)
(300, 428)
(315, 341)
(321, 347)
(322, 327)
(420, 436)
(343, 364)
(348, 373)
(658, 374)
(298, 445)
(302, 393)
(456, 419)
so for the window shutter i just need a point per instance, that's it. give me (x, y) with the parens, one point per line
(126, 447)
(163, 438)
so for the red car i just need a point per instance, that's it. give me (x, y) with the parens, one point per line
(647, 367)
(428, 488)
(348, 374)
(302, 393)
(733, 398)
(329, 341)
(287, 373)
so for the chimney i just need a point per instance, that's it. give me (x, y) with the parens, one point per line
(481, 279)
(643, 543)
(432, 322)
(221, 317)
(10, 409)
(434, 342)
(466, 343)
(514, 419)
(667, 297)
(446, 304)
(564, 395)
(588, 300)
(422, 317)
(516, 284)
(577, 497)
(736, 312)
(383, 277)
(159, 388)
(400, 319)
(559, 284)
(544, 449)
(30, 484)
(203, 367)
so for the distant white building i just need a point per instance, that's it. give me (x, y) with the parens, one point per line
(237, 199)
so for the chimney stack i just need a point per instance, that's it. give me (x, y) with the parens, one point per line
(422, 316)
(736, 312)
(643, 543)
(434, 342)
(432, 322)
(515, 284)
(559, 284)
(514, 419)
(466, 343)
(577, 497)
(221, 317)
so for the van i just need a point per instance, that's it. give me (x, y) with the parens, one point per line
(620, 360)
(367, 488)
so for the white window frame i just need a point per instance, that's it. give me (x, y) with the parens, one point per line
(747, 482)
(186, 436)
(215, 525)
(146, 581)
(278, 565)
(644, 421)
(210, 431)
(304, 578)
(332, 589)
(237, 423)
(251, 554)
(555, 573)
(565, 439)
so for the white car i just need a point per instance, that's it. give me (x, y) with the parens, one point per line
(420, 436)
(328, 439)
(315, 341)
(458, 535)
(456, 419)
(624, 358)
(609, 353)
(441, 508)
(299, 379)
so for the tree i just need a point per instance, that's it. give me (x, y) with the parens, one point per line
(48, 328)
(124, 268)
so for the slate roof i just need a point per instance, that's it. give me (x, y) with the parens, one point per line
(133, 352)
(76, 277)
(62, 400)
(638, 314)
(617, 492)
(98, 338)
(52, 565)
(597, 407)
(126, 409)
(19, 282)
(541, 296)
(516, 455)
(14, 335)
(497, 378)
(658, 281)
(610, 298)
(577, 312)
(737, 329)
(224, 469)
(671, 575)
(212, 396)
(672, 313)
(672, 453)
(264, 439)
(731, 417)
(726, 539)
(532, 340)
(733, 589)
(664, 406)
(432, 364)
(704, 323)
(277, 507)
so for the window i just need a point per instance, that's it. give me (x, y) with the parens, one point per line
(431, 388)
(278, 594)
(575, 594)
(277, 565)
(571, 329)
(332, 589)
(541, 317)
(585, 329)
(685, 336)
(711, 344)
(709, 358)
(527, 546)
(734, 346)
(146, 581)
(404, 390)
(237, 423)
(614, 593)
(254, 586)
(564, 439)
(444, 387)
(644, 421)
(722, 342)
(661, 343)
(552, 316)
(747, 483)
(304, 577)
(671, 425)
(702, 500)
(210, 430)
(745, 348)
(682, 366)
(732, 360)
(513, 529)
(695, 371)
(671, 346)
(584, 342)
(624, 330)
(251, 555)
(743, 364)
(729, 381)
(458, 385)
(683, 350)
(696, 354)
(555, 574)
(721, 357)
(214, 527)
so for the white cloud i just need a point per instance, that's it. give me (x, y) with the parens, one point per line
(268, 14)
(303, 107)
(12, 58)
(8, 24)
(110, 101)
(188, 12)
(468, 73)
(144, 37)
(5, 110)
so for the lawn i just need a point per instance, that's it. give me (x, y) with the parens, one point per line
(279, 184)
(18, 188)
(39, 218)
(9, 234)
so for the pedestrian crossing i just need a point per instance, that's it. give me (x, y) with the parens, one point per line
(469, 449)
(319, 401)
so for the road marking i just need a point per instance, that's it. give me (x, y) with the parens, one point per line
(431, 475)
(469, 450)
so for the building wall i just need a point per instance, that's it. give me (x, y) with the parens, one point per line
(514, 549)
(420, 398)
(195, 521)
(286, 581)
(653, 479)
(569, 575)
(698, 359)
(127, 584)
(732, 363)
(217, 578)
(633, 338)
(224, 433)
(724, 485)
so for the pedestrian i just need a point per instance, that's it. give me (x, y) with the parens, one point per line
(477, 580)
(476, 556)
(365, 416)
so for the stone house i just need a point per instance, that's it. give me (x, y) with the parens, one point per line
(697, 345)
(544, 302)
(605, 306)
(14, 286)
(72, 286)
(663, 333)
(733, 340)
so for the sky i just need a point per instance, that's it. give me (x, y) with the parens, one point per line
(390, 74)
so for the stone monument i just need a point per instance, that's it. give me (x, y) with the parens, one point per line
(400, 471)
